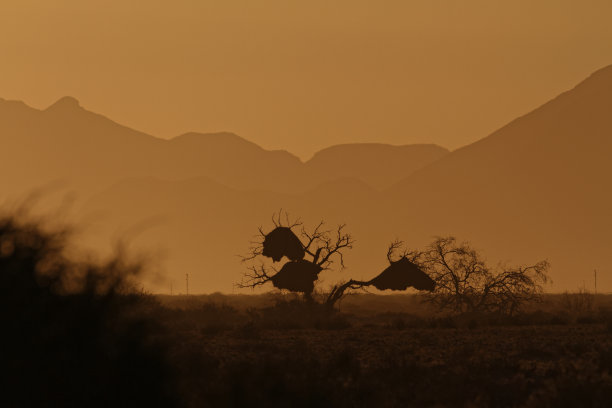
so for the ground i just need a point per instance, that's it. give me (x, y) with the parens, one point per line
(255, 356)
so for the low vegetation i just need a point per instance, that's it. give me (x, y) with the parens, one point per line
(78, 333)
(277, 351)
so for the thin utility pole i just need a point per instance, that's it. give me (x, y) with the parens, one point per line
(187, 284)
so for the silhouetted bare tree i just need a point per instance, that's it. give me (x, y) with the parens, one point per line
(321, 248)
(399, 275)
(464, 282)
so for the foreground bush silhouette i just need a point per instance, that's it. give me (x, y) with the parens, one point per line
(74, 333)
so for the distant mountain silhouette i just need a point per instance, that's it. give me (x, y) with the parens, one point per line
(378, 165)
(88, 152)
(537, 188)
(66, 142)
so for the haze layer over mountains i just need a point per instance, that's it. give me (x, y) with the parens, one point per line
(538, 188)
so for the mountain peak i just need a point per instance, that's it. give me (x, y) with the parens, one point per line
(65, 103)
(217, 138)
(8, 102)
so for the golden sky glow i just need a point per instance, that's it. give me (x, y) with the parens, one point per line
(303, 75)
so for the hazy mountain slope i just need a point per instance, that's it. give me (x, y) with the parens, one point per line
(540, 186)
(200, 227)
(378, 165)
(88, 152)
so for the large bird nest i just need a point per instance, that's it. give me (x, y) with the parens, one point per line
(401, 275)
(297, 276)
(281, 241)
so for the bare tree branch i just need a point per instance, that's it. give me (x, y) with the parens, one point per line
(323, 246)
(255, 248)
(256, 276)
(311, 238)
(393, 246)
(338, 291)
(330, 247)
(465, 283)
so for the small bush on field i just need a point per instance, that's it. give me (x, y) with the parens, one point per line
(539, 317)
(336, 321)
(248, 330)
(446, 322)
(400, 321)
(215, 318)
(580, 302)
(398, 324)
(213, 329)
(299, 314)
(465, 283)
(587, 319)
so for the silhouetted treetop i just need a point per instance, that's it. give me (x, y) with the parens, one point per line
(314, 252)
(464, 282)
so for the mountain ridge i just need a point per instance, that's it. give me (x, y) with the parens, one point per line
(69, 142)
(536, 188)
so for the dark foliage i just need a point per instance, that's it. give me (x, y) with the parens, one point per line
(297, 314)
(294, 354)
(77, 334)
(74, 333)
(465, 283)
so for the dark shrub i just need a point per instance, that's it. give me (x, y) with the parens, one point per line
(299, 314)
(74, 333)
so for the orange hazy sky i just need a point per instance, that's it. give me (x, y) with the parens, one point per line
(303, 75)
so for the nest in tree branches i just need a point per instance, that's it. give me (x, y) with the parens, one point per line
(283, 242)
(297, 276)
(401, 275)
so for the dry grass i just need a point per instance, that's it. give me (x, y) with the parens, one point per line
(544, 357)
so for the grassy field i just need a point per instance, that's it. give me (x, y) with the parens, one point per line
(272, 351)
(78, 333)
